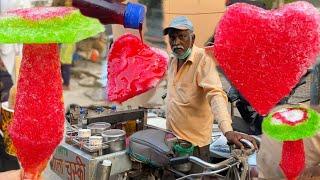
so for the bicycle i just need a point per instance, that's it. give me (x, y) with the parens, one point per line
(152, 154)
(236, 165)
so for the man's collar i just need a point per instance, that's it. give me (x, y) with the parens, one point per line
(191, 57)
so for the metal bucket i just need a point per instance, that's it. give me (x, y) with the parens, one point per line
(98, 127)
(7, 118)
(115, 138)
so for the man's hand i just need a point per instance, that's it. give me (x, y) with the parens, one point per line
(12, 175)
(234, 137)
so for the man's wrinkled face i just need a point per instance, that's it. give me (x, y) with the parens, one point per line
(180, 40)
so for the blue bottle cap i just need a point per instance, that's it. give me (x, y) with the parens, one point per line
(134, 15)
(99, 109)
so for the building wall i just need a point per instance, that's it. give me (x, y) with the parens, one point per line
(205, 14)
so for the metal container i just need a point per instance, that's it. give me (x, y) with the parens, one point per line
(104, 170)
(95, 141)
(115, 138)
(70, 162)
(84, 133)
(183, 148)
(98, 127)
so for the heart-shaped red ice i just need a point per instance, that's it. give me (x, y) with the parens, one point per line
(265, 53)
(133, 68)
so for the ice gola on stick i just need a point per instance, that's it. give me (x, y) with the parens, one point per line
(264, 53)
(133, 68)
(291, 125)
(38, 122)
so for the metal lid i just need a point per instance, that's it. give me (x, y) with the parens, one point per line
(99, 125)
(95, 138)
(113, 133)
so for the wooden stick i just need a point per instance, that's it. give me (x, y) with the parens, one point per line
(17, 64)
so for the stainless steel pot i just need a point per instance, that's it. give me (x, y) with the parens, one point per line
(115, 138)
(98, 127)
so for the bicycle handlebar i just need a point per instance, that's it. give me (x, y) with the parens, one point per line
(247, 144)
(213, 167)
(204, 164)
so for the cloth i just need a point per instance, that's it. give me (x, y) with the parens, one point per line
(191, 91)
(104, 74)
(5, 82)
(269, 156)
(315, 84)
(66, 73)
(66, 53)
(8, 54)
(7, 162)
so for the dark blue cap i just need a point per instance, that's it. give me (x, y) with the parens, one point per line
(134, 15)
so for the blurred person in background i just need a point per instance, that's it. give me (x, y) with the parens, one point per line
(66, 57)
(66, 51)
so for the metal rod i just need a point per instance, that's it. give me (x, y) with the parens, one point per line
(209, 173)
(207, 165)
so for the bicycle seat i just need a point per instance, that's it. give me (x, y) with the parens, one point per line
(149, 146)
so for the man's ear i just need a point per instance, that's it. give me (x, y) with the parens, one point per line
(193, 38)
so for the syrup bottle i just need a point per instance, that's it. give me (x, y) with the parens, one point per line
(130, 15)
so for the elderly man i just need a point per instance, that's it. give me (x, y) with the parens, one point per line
(195, 94)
